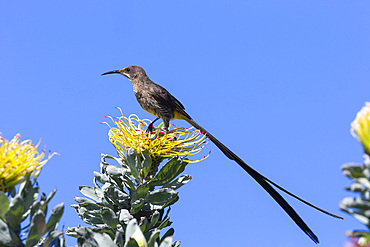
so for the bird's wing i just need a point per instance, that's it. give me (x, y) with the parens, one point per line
(165, 99)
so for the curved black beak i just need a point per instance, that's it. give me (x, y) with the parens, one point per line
(111, 72)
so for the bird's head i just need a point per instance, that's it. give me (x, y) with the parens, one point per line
(131, 72)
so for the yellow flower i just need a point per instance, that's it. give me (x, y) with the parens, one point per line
(361, 127)
(131, 132)
(18, 158)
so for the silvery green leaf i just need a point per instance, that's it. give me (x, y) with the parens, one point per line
(109, 217)
(92, 220)
(144, 224)
(118, 240)
(8, 236)
(141, 192)
(154, 219)
(133, 161)
(168, 172)
(176, 244)
(147, 162)
(162, 196)
(118, 196)
(15, 212)
(102, 178)
(153, 238)
(37, 228)
(103, 240)
(51, 195)
(169, 233)
(131, 243)
(114, 171)
(136, 205)
(30, 195)
(125, 216)
(82, 200)
(352, 171)
(4, 203)
(128, 183)
(164, 223)
(166, 242)
(90, 192)
(91, 208)
(120, 160)
(51, 236)
(177, 183)
(365, 182)
(133, 232)
(55, 216)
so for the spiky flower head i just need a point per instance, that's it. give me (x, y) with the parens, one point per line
(19, 159)
(132, 132)
(360, 127)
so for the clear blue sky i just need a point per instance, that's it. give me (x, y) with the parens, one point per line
(277, 81)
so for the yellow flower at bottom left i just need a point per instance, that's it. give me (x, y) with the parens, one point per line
(18, 159)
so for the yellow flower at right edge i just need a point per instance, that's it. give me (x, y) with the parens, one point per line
(360, 127)
(17, 159)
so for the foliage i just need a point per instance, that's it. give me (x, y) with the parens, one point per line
(359, 207)
(124, 199)
(24, 204)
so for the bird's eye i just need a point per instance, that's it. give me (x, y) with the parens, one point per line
(128, 69)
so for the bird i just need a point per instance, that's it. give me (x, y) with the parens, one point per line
(157, 101)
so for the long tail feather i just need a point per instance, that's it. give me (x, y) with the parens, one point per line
(263, 181)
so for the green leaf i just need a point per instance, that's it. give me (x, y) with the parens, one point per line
(92, 220)
(177, 183)
(82, 200)
(118, 240)
(120, 161)
(8, 236)
(163, 196)
(51, 236)
(55, 216)
(136, 205)
(103, 240)
(4, 203)
(125, 216)
(133, 162)
(154, 219)
(90, 192)
(168, 172)
(141, 192)
(176, 244)
(164, 223)
(153, 238)
(118, 196)
(128, 183)
(15, 212)
(92, 208)
(144, 224)
(166, 242)
(114, 171)
(169, 233)
(132, 243)
(133, 232)
(109, 217)
(352, 171)
(37, 229)
(30, 195)
(51, 195)
(147, 162)
(102, 178)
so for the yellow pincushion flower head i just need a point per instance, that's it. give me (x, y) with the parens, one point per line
(360, 127)
(131, 132)
(19, 159)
